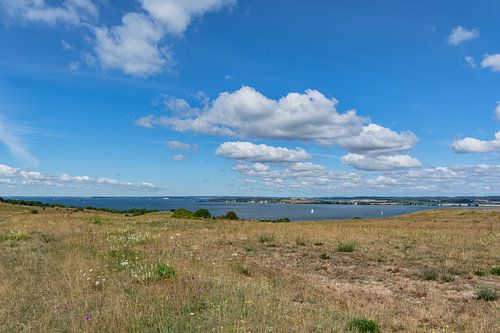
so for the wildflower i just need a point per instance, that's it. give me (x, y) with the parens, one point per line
(97, 283)
(90, 270)
(87, 318)
(177, 235)
(66, 306)
(191, 313)
(200, 289)
(124, 263)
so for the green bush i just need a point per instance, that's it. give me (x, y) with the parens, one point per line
(447, 278)
(363, 325)
(495, 270)
(346, 247)
(486, 293)
(34, 211)
(182, 213)
(15, 235)
(324, 256)
(202, 214)
(231, 216)
(163, 271)
(241, 268)
(429, 274)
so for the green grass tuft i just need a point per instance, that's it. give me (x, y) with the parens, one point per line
(363, 325)
(486, 293)
(346, 247)
(163, 271)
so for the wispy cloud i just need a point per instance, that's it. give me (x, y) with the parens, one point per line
(471, 62)
(9, 136)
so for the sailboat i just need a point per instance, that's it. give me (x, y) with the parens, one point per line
(312, 211)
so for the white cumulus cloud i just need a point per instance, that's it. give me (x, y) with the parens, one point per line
(246, 113)
(138, 46)
(21, 177)
(176, 15)
(260, 152)
(460, 34)
(383, 162)
(132, 46)
(491, 61)
(6, 170)
(379, 140)
(472, 145)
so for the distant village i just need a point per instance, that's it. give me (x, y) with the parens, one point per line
(406, 201)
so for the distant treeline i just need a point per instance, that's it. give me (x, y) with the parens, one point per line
(128, 212)
(205, 214)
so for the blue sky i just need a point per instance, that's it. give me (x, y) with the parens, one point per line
(226, 97)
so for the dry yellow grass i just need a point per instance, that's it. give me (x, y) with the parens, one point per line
(74, 271)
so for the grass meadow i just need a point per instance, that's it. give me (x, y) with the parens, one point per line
(68, 270)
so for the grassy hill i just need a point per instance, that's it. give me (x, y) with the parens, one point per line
(68, 270)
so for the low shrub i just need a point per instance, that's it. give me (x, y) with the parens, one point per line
(447, 278)
(34, 211)
(182, 213)
(324, 256)
(363, 325)
(231, 216)
(429, 274)
(241, 268)
(495, 270)
(346, 247)
(163, 271)
(486, 293)
(15, 235)
(202, 213)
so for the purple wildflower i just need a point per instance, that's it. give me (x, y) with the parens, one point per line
(87, 318)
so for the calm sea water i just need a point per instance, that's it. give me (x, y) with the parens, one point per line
(294, 212)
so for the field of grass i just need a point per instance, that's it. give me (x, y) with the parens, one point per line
(63, 270)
